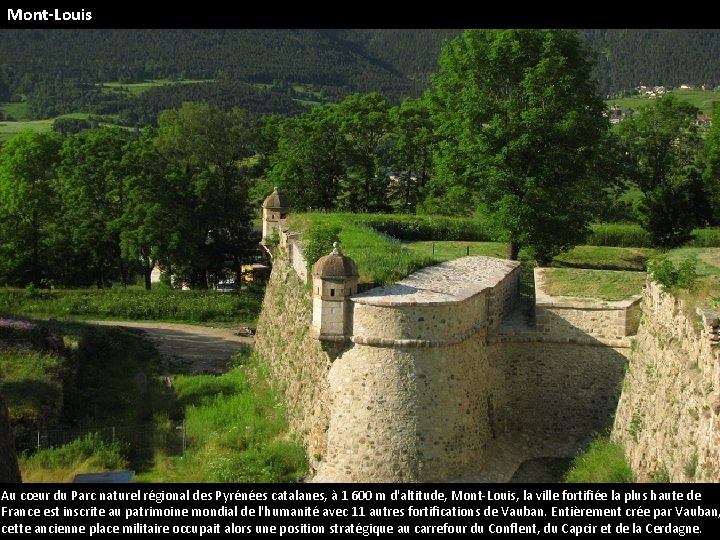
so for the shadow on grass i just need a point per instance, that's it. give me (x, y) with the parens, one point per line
(542, 470)
(635, 264)
(33, 395)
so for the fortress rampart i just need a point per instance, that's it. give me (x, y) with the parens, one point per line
(439, 377)
(429, 372)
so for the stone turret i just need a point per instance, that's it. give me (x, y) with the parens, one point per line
(335, 279)
(275, 211)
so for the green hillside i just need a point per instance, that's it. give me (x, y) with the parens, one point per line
(50, 72)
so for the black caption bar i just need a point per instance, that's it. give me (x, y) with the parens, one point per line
(95, 510)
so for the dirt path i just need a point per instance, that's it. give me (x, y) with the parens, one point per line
(187, 348)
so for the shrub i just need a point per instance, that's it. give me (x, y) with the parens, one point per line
(319, 242)
(618, 235)
(92, 448)
(683, 277)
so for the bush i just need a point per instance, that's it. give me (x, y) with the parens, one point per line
(319, 242)
(618, 235)
(683, 277)
(91, 448)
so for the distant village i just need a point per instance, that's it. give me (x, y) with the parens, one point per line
(618, 114)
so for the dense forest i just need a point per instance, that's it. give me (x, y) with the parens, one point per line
(58, 71)
(628, 58)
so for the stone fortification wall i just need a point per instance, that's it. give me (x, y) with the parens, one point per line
(410, 414)
(411, 399)
(292, 244)
(556, 391)
(438, 305)
(584, 320)
(297, 360)
(430, 374)
(668, 415)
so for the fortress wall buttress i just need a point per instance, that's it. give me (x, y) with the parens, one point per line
(415, 397)
(409, 413)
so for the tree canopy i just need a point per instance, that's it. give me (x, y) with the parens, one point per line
(663, 142)
(519, 120)
(28, 207)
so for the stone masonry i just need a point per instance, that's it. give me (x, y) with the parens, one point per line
(668, 418)
(410, 396)
(432, 377)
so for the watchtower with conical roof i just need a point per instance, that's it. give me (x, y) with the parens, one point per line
(335, 279)
(275, 211)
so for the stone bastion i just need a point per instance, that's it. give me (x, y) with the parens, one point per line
(423, 380)
(409, 396)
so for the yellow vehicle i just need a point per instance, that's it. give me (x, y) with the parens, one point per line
(254, 272)
(246, 273)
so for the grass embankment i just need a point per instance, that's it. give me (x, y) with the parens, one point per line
(401, 247)
(236, 431)
(380, 259)
(105, 386)
(101, 380)
(602, 462)
(600, 284)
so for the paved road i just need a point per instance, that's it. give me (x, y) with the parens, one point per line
(187, 348)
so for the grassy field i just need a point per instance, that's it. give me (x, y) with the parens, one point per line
(18, 110)
(8, 128)
(600, 284)
(380, 259)
(135, 89)
(605, 258)
(701, 99)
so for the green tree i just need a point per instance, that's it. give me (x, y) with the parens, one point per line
(309, 163)
(207, 151)
(663, 141)
(364, 123)
(93, 199)
(413, 135)
(153, 225)
(711, 164)
(519, 119)
(27, 206)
